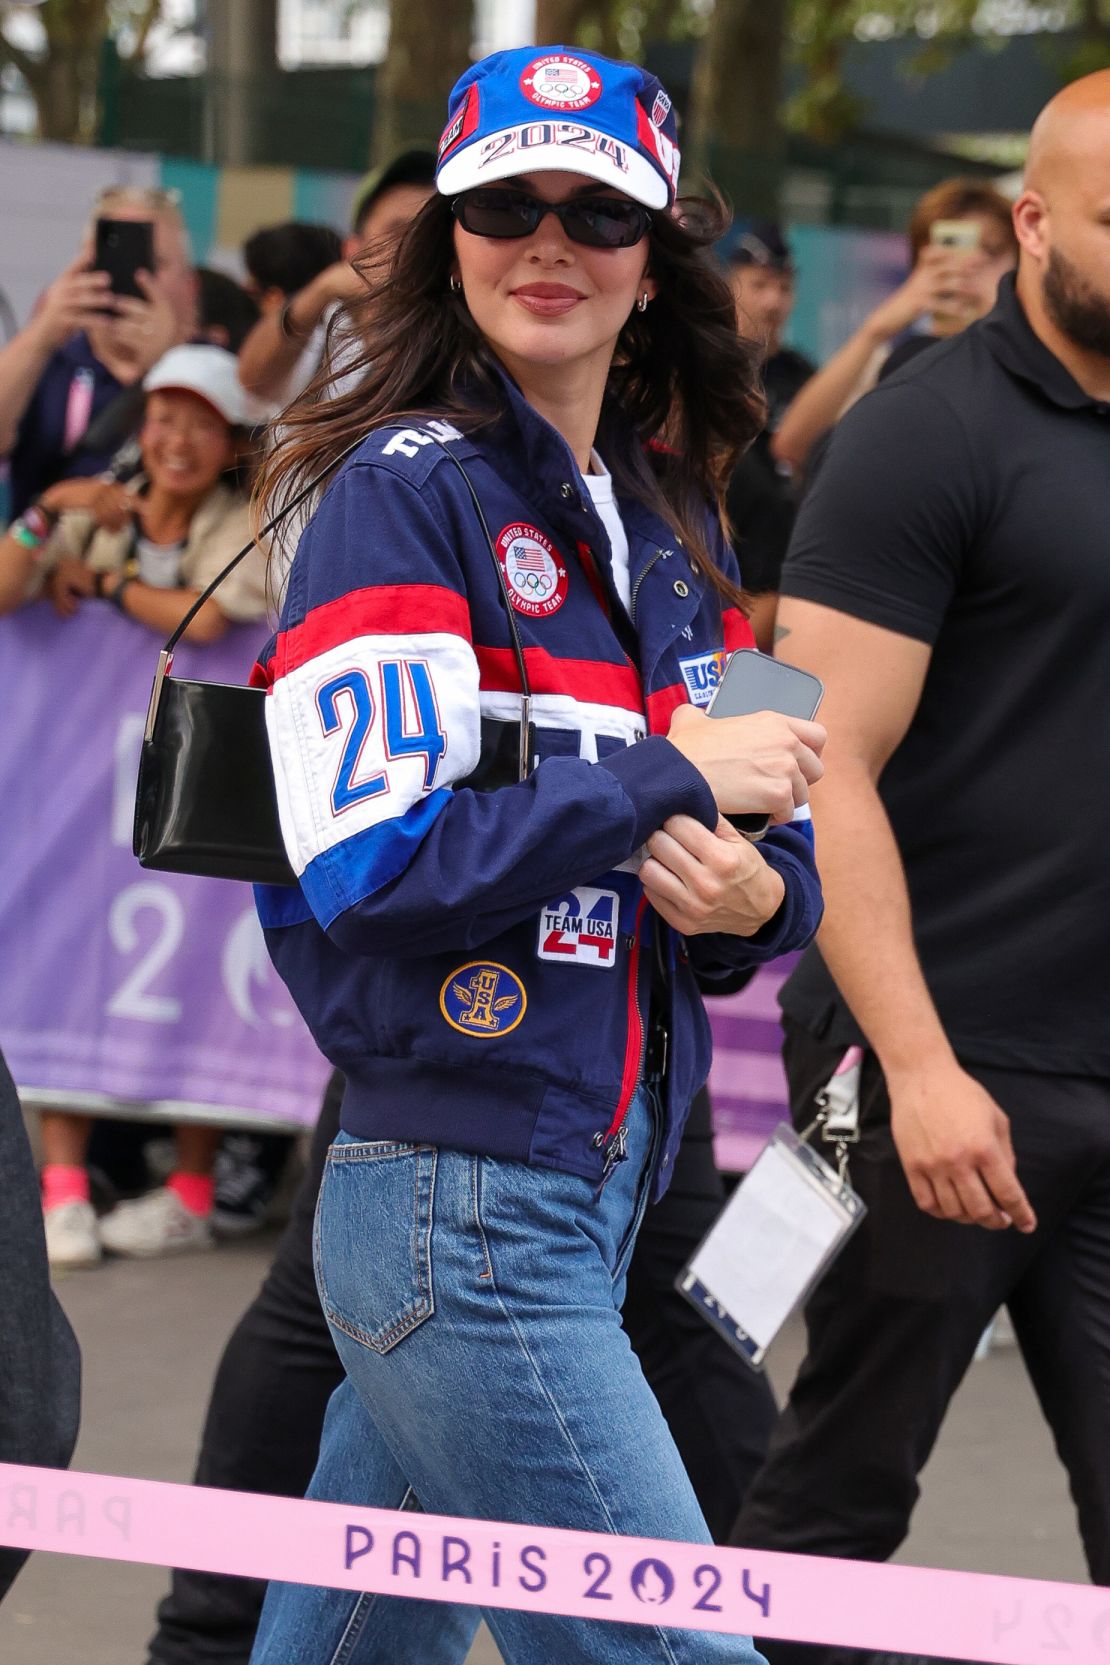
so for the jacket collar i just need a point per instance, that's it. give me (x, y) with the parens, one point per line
(536, 460)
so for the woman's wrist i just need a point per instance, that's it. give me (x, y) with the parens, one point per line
(111, 583)
(300, 313)
(118, 592)
(33, 528)
(772, 893)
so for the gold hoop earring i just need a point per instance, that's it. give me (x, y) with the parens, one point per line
(642, 303)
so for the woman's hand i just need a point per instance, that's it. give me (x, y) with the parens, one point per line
(79, 299)
(700, 881)
(760, 764)
(147, 328)
(945, 281)
(70, 583)
(108, 502)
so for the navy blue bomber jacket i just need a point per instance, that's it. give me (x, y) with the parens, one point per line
(478, 964)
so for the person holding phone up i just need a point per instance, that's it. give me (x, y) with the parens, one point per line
(954, 280)
(509, 987)
(95, 333)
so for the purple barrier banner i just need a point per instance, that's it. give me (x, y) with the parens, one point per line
(746, 1083)
(118, 984)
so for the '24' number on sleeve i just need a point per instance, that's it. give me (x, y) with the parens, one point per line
(348, 698)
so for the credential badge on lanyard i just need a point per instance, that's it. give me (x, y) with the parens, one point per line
(79, 403)
(783, 1225)
(838, 1108)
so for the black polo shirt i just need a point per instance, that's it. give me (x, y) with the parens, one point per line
(966, 503)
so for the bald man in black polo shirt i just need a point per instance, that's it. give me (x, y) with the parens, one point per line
(949, 580)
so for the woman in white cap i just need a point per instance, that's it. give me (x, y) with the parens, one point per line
(507, 568)
(148, 548)
(151, 545)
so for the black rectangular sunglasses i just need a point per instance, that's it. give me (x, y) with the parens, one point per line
(595, 222)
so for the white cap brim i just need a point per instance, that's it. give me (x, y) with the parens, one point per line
(211, 373)
(465, 170)
(235, 415)
(233, 411)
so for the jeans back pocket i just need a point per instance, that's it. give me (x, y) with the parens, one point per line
(373, 1239)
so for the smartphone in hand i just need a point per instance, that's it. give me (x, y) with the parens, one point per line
(124, 247)
(753, 681)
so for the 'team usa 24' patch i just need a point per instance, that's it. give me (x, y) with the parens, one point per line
(580, 928)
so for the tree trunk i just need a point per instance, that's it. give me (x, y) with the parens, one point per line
(242, 76)
(558, 21)
(429, 48)
(64, 82)
(736, 135)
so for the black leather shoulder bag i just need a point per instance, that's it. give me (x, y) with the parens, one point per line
(206, 801)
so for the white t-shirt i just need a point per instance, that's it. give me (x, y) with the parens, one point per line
(159, 563)
(599, 484)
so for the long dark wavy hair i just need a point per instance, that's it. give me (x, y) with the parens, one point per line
(683, 377)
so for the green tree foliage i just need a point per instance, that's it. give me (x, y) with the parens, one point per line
(62, 76)
(814, 36)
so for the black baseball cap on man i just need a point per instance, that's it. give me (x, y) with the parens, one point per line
(411, 167)
(756, 243)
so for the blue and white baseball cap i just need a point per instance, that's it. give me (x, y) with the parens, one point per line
(539, 109)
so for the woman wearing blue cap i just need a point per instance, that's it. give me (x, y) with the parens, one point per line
(505, 963)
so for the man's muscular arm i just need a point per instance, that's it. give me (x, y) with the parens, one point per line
(952, 1138)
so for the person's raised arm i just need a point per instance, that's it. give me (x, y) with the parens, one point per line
(953, 1140)
(271, 350)
(819, 403)
(74, 302)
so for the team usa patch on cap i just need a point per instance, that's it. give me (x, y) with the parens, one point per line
(661, 109)
(560, 83)
(483, 999)
(534, 570)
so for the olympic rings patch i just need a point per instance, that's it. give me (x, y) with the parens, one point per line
(560, 83)
(534, 570)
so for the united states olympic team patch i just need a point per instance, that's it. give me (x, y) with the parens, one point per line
(534, 570)
(555, 82)
(484, 999)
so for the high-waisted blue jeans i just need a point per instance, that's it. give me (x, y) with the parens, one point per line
(475, 1304)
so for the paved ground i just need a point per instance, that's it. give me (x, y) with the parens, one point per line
(994, 1497)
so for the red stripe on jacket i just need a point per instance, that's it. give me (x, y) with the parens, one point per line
(581, 679)
(385, 610)
(738, 630)
(662, 704)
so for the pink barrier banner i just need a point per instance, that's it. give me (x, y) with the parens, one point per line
(149, 989)
(916, 1610)
(747, 1083)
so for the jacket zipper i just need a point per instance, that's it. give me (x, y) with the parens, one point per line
(660, 555)
(613, 1141)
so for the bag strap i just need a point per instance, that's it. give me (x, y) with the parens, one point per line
(165, 657)
(524, 759)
